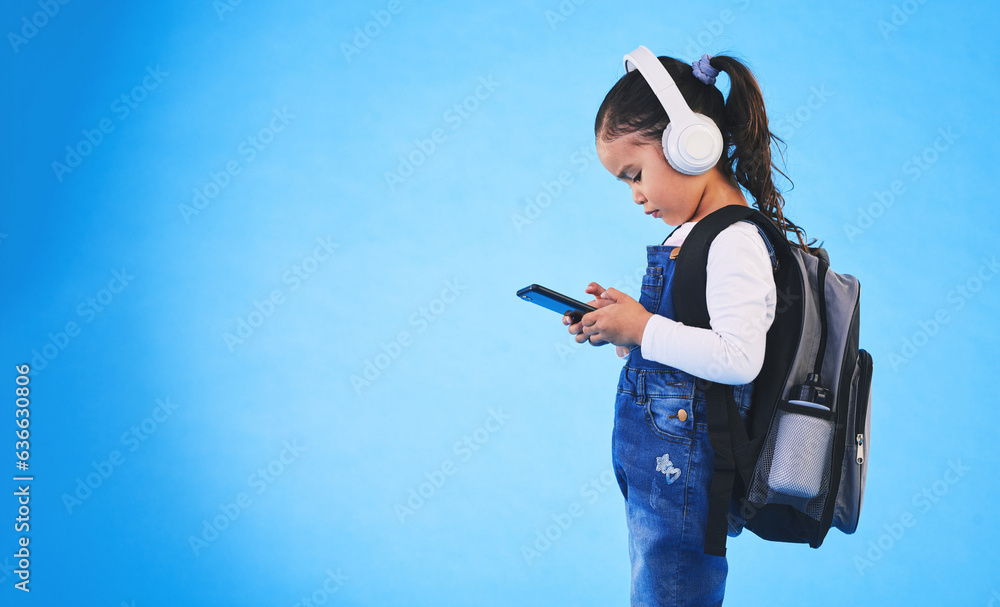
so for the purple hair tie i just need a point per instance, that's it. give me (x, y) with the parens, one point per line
(704, 70)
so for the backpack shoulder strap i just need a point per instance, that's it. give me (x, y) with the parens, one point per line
(692, 262)
(727, 433)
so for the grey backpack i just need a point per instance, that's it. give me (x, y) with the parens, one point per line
(798, 466)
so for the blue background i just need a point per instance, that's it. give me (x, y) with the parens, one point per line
(437, 252)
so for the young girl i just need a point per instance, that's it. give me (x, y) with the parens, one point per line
(661, 451)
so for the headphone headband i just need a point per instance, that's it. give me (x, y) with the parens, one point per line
(663, 85)
(692, 142)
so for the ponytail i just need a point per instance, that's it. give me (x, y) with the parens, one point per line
(749, 162)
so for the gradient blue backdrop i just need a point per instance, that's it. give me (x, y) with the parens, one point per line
(446, 159)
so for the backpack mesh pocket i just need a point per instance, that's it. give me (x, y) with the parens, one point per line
(794, 466)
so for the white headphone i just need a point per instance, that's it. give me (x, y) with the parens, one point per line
(692, 143)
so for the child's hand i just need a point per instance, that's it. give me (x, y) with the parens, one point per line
(577, 328)
(620, 320)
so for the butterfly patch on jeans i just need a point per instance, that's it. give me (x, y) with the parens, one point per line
(664, 465)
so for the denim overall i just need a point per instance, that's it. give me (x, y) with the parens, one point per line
(663, 461)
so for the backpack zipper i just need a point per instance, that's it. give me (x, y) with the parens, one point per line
(863, 398)
(839, 442)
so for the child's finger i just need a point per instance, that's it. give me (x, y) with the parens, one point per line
(596, 339)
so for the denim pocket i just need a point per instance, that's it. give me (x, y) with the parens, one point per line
(668, 405)
(663, 415)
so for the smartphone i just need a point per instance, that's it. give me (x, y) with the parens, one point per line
(557, 302)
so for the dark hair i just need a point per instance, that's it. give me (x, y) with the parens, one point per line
(632, 107)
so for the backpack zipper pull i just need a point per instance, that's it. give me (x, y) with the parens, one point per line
(861, 454)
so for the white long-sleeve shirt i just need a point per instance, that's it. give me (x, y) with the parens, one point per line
(741, 298)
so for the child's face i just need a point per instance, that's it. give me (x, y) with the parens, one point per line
(663, 192)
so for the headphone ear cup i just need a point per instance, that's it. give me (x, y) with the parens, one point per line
(669, 144)
(694, 148)
(666, 145)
